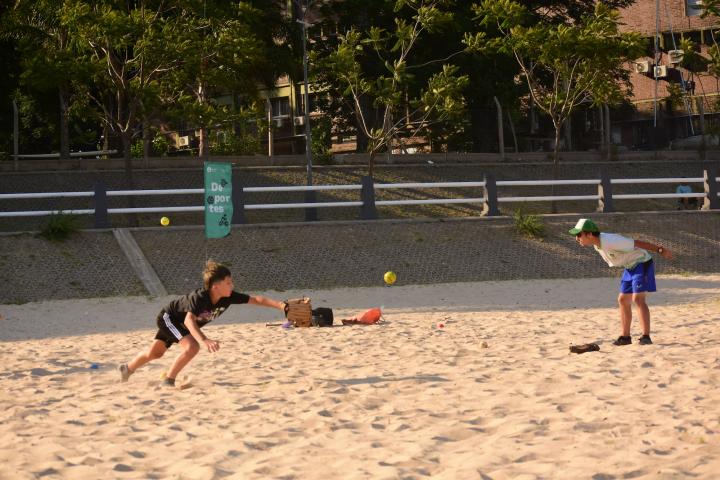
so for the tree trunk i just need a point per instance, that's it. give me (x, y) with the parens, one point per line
(126, 137)
(132, 219)
(556, 165)
(512, 130)
(501, 134)
(203, 146)
(64, 125)
(371, 164)
(145, 143)
(106, 140)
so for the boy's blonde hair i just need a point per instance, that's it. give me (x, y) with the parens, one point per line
(214, 272)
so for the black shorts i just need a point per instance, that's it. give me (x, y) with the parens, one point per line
(168, 331)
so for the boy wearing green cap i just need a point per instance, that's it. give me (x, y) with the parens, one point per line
(638, 274)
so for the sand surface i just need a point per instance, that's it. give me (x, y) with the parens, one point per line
(493, 394)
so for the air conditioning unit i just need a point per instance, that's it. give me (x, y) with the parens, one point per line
(299, 121)
(183, 141)
(643, 67)
(660, 71)
(675, 56)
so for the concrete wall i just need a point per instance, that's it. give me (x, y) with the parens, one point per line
(344, 254)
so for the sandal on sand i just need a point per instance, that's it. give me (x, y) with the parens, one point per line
(645, 340)
(588, 347)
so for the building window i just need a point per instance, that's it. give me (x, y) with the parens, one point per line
(708, 37)
(693, 8)
(280, 106)
(696, 37)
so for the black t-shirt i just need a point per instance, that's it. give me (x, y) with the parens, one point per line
(198, 302)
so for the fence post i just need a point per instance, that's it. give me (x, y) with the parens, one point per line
(367, 195)
(100, 201)
(238, 199)
(605, 202)
(490, 205)
(311, 212)
(711, 190)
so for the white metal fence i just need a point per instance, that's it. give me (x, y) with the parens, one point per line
(490, 199)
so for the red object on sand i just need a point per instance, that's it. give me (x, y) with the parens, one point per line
(368, 317)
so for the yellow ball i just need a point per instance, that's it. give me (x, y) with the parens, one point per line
(164, 221)
(390, 277)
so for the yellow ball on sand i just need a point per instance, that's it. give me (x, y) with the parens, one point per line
(164, 221)
(390, 277)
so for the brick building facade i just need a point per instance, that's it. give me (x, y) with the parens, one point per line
(679, 103)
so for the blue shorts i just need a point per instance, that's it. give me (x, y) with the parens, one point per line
(640, 278)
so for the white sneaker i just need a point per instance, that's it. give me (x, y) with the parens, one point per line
(124, 372)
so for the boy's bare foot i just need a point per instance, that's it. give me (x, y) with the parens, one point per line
(124, 372)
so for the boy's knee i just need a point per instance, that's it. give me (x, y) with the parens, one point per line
(191, 347)
(155, 354)
(639, 301)
(624, 300)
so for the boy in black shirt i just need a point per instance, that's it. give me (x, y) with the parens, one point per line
(181, 321)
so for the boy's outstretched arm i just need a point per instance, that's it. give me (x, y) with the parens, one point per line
(266, 302)
(651, 247)
(197, 333)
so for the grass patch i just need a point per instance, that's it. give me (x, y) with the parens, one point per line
(59, 227)
(529, 225)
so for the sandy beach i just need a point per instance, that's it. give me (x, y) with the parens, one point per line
(494, 394)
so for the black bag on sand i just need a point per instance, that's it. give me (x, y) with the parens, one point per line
(322, 317)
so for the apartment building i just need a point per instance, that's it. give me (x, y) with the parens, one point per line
(671, 101)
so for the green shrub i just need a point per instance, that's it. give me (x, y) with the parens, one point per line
(136, 149)
(232, 144)
(529, 225)
(320, 141)
(59, 227)
(160, 145)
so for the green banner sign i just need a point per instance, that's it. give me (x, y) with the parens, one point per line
(218, 199)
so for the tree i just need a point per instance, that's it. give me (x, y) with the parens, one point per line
(389, 92)
(48, 58)
(229, 48)
(564, 64)
(129, 47)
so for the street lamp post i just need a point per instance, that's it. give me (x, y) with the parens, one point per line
(310, 213)
(306, 101)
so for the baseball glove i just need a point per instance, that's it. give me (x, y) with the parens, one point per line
(299, 311)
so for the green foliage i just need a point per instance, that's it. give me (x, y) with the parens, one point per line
(231, 144)
(399, 109)
(158, 147)
(565, 63)
(321, 141)
(675, 95)
(59, 227)
(136, 150)
(529, 225)
(692, 60)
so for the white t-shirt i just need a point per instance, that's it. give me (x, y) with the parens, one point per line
(619, 251)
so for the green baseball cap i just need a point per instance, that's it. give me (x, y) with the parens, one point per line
(584, 225)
